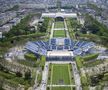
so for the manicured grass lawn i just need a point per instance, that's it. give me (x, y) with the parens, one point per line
(59, 24)
(61, 88)
(60, 74)
(59, 33)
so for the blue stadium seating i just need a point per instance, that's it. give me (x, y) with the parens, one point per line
(53, 41)
(66, 47)
(67, 41)
(59, 47)
(53, 47)
(77, 51)
(77, 47)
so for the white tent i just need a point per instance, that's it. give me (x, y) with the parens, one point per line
(59, 14)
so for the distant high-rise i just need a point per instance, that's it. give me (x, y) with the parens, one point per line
(59, 5)
(46, 5)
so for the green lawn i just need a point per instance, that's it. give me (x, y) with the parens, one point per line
(59, 33)
(59, 24)
(60, 74)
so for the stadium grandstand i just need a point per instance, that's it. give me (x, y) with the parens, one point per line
(60, 46)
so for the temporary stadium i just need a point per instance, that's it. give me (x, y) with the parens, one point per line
(59, 47)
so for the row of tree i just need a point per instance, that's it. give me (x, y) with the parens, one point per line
(14, 74)
(96, 28)
(43, 26)
(21, 28)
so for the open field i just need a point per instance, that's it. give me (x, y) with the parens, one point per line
(59, 24)
(60, 74)
(59, 33)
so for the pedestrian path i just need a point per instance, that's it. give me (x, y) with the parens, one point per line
(61, 85)
(44, 77)
(66, 28)
(59, 28)
(76, 76)
(52, 29)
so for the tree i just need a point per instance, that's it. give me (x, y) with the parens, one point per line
(28, 75)
(18, 74)
(1, 83)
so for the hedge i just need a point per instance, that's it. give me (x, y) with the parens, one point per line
(90, 57)
(43, 60)
(79, 61)
(30, 56)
